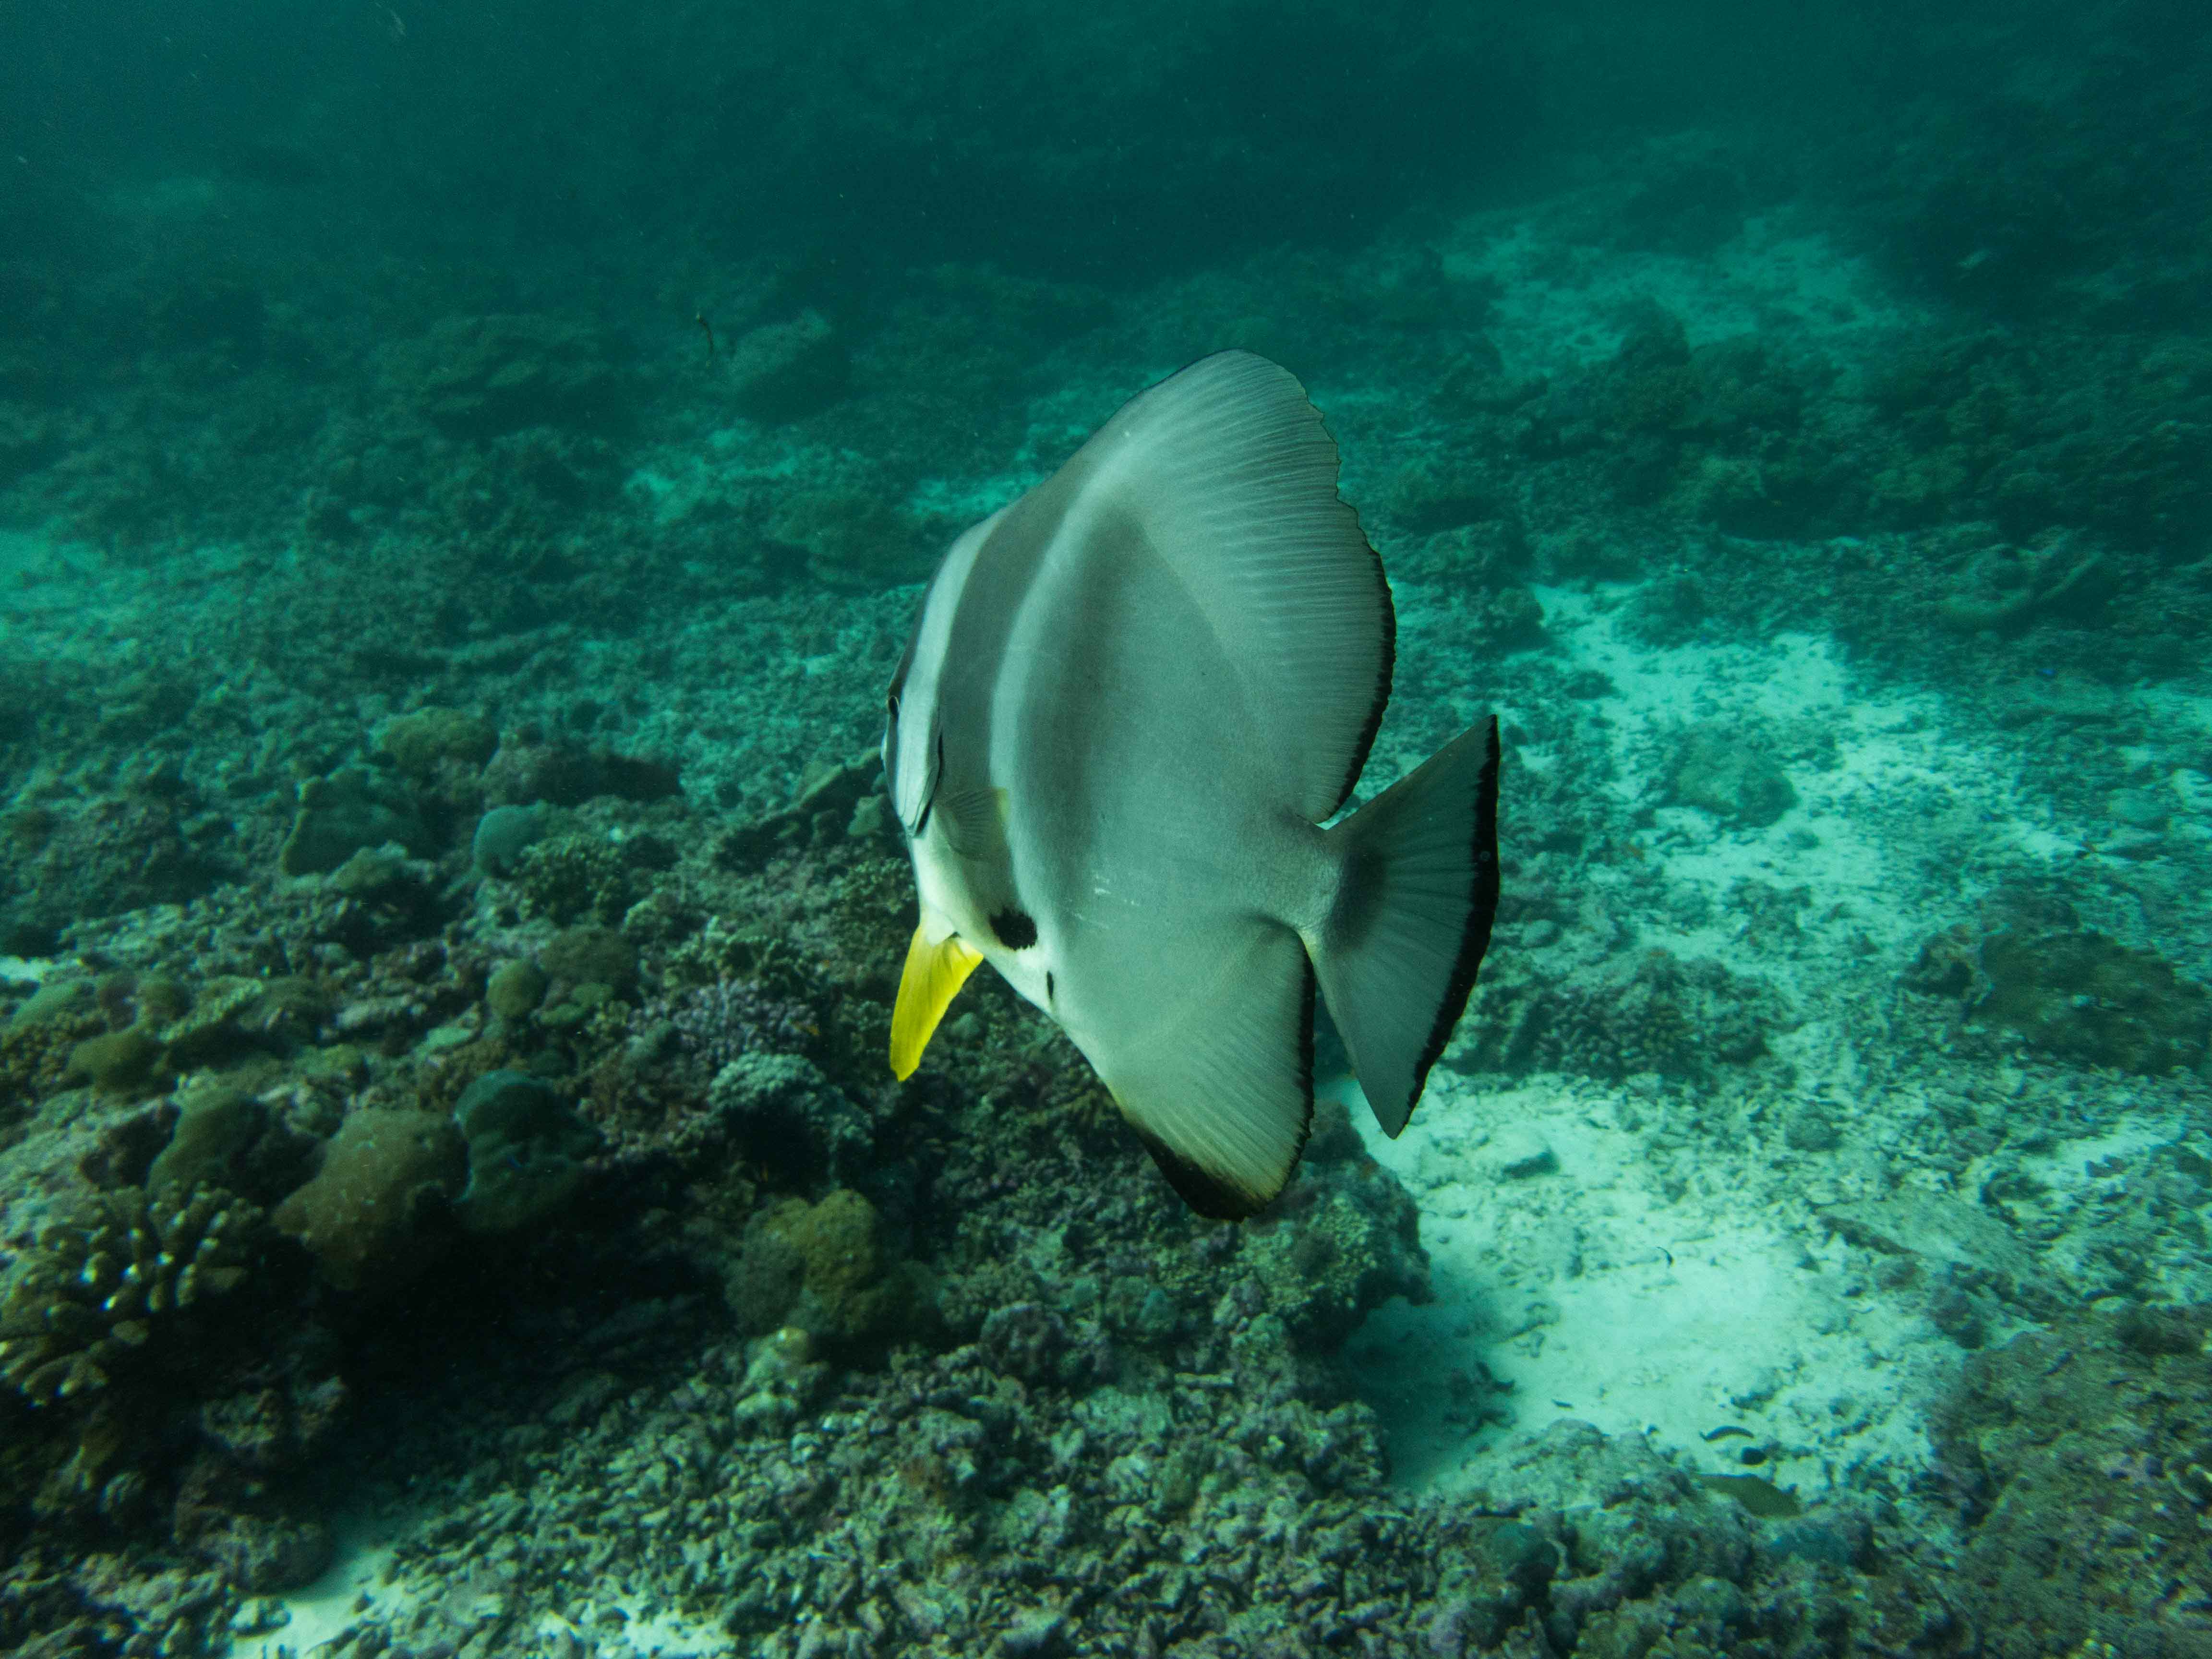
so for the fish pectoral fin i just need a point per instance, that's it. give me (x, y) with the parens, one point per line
(935, 971)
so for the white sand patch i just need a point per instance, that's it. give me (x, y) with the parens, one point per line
(363, 1587)
(1588, 1292)
(294, 1624)
(1578, 1272)
(1560, 304)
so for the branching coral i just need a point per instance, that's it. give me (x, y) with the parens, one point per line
(94, 1289)
(709, 1026)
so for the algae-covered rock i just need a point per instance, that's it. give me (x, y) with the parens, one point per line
(526, 1150)
(1342, 1240)
(590, 955)
(1622, 1014)
(2030, 967)
(502, 835)
(785, 371)
(479, 377)
(421, 742)
(1733, 779)
(516, 989)
(2087, 998)
(788, 1113)
(378, 1212)
(2079, 1453)
(850, 538)
(828, 1269)
(117, 1062)
(214, 1131)
(341, 814)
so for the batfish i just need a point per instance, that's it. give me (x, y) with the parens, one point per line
(1133, 701)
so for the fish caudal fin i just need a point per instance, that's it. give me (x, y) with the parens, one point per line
(935, 971)
(1398, 954)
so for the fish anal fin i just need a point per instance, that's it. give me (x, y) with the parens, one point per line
(1205, 1193)
(1222, 1095)
(935, 971)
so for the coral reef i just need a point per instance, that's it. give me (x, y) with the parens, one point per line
(2030, 968)
(378, 1212)
(1735, 780)
(483, 376)
(1653, 1011)
(98, 1290)
(2080, 1455)
(526, 1154)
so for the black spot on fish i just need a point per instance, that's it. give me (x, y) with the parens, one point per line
(1016, 931)
(1049, 986)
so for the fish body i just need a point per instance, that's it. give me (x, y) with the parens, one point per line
(1132, 700)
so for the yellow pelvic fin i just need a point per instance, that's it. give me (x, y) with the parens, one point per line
(934, 974)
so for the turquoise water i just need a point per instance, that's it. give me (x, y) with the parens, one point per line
(467, 476)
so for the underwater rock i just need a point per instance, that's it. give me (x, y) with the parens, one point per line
(379, 1210)
(1959, 1242)
(73, 859)
(422, 743)
(590, 955)
(1725, 775)
(479, 377)
(502, 835)
(1667, 611)
(1620, 1015)
(1445, 490)
(117, 1062)
(1811, 1128)
(2087, 998)
(785, 1112)
(1520, 1153)
(786, 371)
(851, 539)
(526, 1152)
(828, 1269)
(820, 816)
(526, 770)
(1342, 1240)
(2030, 967)
(216, 1129)
(782, 1378)
(2078, 1455)
(516, 989)
(342, 814)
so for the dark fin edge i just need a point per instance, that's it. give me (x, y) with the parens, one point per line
(1482, 911)
(1196, 1187)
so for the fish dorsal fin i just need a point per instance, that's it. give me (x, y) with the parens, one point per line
(1230, 474)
